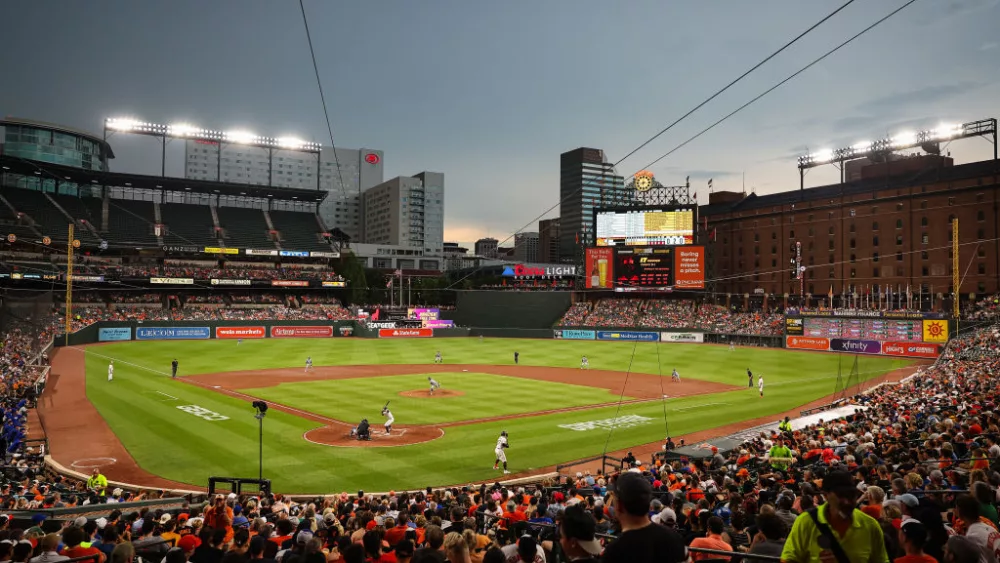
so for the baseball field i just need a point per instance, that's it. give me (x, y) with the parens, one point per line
(147, 427)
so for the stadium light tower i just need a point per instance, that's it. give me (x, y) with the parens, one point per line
(188, 131)
(929, 140)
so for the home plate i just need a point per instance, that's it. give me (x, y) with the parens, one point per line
(217, 387)
(465, 370)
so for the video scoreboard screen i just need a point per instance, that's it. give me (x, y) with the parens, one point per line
(882, 330)
(644, 227)
(648, 267)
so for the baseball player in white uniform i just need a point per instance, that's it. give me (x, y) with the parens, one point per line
(437, 358)
(584, 363)
(501, 455)
(760, 385)
(111, 370)
(675, 376)
(388, 420)
(309, 363)
(434, 384)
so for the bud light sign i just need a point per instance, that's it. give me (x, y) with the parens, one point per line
(856, 346)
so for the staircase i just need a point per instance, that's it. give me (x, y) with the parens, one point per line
(78, 224)
(218, 227)
(270, 227)
(156, 216)
(30, 223)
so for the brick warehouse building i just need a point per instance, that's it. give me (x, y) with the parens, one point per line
(889, 229)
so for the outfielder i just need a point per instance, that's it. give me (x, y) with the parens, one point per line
(732, 346)
(760, 385)
(389, 420)
(501, 455)
(437, 357)
(173, 369)
(111, 370)
(584, 363)
(309, 363)
(434, 384)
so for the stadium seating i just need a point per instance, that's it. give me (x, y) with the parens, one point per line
(244, 228)
(77, 209)
(298, 231)
(10, 225)
(130, 223)
(188, 225)
(49, 221)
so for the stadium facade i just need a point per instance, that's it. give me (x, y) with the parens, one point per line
(359, 170)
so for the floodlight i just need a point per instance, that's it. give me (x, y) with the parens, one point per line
(183, 129)
(121, 124)
(863, 146)
(825, 155)
(289, 142)
(904, 139)
(242, 137)
(947, 131)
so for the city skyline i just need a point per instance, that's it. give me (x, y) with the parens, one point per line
(492, 98)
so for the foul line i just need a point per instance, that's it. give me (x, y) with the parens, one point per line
(165, 395)
(85, 351)
(700, 406)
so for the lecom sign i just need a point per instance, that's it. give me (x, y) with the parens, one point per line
(240, 332)
(406, 333)
(301, 331)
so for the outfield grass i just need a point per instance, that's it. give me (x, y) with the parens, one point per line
(484, 395)
(141, 406)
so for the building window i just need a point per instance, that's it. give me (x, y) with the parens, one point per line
(830, 230)
(774, 263)
(899, 257)
(924, 255)
(980, 197)
(874, 223)
(791, 234)
(899, 240)
(981, 252)
(850, 228)
(810, 246)
(811, 231)
(831, 245)
(899, 223)
(832, 273)
(830, 259)
(854, 272)
(923, 204)
(924, 271)
(899, 207)
(875, 240)
(756, 237)
(853, 258)
(981, 234)
(756, 251)
(875, 257)
(951, 201)
(982, 268)
(774, 235)
(980, 215)
(925, 238)
(774, 249)
(875, 272)
(923, 221)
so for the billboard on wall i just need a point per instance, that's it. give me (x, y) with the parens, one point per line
(629, 336)
(437, 323)
(239, 332)
(325, 331)
(936, 331)
(569, 334)
(807, 343)
(682, 337)
(911, 349)
(172, 333)
(423, 314)
(405, 332)
(599, 268)
(856, 346)
(689, 267)
(114, 334)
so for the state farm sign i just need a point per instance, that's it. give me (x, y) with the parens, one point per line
(406, 333)
(301, 331)
(239, 332)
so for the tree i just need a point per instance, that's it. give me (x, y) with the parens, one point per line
(353, 270)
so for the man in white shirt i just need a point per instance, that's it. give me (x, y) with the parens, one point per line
(111, 370)
(983, 535)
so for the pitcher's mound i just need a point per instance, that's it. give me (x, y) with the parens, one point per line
(426, 394)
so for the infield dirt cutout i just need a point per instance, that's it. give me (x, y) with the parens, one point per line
(426, 394)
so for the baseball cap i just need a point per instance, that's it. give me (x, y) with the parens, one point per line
(404, 548)
(666, 515)
(303, 537)
(38, 518)
(633, 491)
(165, 518)
(101, 522)
(909, 500)
(80, 521)
(558, 497)
(915, 531)
(189, 542)
(840, 483)
(578, 525)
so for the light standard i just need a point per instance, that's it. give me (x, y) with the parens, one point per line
(800, 271)
(261, 407)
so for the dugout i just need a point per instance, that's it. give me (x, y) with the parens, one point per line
(702, 450)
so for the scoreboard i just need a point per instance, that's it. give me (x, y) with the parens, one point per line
(648, 267)
(882, 330)
(644, 227)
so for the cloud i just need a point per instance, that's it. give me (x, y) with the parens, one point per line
(989, 46)
(712, 173)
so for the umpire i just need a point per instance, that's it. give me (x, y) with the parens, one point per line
(173, 369)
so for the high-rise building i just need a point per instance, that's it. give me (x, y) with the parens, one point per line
(526, 247)
(360, 169)
(548, 241)
(487, 247)
(586, 181)
(406, 211)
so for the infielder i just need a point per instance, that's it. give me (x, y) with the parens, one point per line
(760, 385)
(173, 369)
(111, 370)
(584, 363)
(309, 363)
(434, 384)
(437, 357)
(501, 455)
(675, 376)
(749, 378)
(389, 420)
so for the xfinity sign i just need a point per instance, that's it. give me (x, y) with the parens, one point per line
(523, 271)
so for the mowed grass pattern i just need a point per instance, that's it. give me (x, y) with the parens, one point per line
(484, 395)
(180, 446)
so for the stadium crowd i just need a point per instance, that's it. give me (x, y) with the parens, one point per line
(672, 314)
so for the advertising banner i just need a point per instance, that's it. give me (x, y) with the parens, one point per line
(289, 283)
(807, 343)
(334, 284)
(79, 278)
(296, 253)
(911, 349)
(172, 333)
(793, 326)
(185, 249)
(239, 332)
(689, 267)
(179, 281)
(254, 252)
(423, 314)
(230, 282)
(324, 254)
(217, 250)
(114, 334)
(437, 323)
(856, 346)
(569, 334)
(301, 331)
(599, 265)
(936, 331)
(406, 332)
(346, 331)
(629, 336)
(861, 313)
(682, 337)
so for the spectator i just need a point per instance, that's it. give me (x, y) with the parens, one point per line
(577, 535)
(712, 540)
(48, 550)
(71, 538)
(641, 541)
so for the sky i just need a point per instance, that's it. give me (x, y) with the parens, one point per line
(491, 94)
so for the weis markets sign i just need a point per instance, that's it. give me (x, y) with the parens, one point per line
(239, 332)
(522, 271)
(301, 331)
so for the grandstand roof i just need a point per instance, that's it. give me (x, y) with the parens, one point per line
(75, 175)
(949, 173)
(108, 153)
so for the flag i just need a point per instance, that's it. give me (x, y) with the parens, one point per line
(398, 273)
(710, 183)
